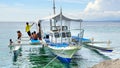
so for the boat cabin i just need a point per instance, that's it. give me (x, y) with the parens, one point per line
(60, 30)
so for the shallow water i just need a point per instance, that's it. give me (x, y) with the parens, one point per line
(84, 58)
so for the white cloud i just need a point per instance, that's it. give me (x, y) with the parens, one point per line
(92, 7)
(98, 10)
(102, 10)
(103, 5)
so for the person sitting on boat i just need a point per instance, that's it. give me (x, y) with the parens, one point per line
(32, 36)
(28, 29)
(35, 36)
(19, 34)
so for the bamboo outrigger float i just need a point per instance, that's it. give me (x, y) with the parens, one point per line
(94, 45)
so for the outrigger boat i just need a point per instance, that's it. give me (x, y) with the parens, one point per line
(59, 39)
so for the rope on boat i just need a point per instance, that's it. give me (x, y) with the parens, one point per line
(50, 61)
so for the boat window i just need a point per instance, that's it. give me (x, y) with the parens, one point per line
(56, 35)
(63, 35)
(54, 28)
(64, 28)
(68, 34)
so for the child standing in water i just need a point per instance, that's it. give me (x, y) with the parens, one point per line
(19, 34)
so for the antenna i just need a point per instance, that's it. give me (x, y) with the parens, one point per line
(54, 7)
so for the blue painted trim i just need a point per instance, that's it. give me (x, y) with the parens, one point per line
(59, 44)
(35, 41)
(107, 50)
(64, 60)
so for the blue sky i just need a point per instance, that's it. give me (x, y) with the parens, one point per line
(30, 10)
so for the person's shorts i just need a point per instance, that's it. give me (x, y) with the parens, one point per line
(29, 33)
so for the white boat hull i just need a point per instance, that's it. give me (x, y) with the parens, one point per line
(65, 52)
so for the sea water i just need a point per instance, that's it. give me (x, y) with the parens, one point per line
(84, 58)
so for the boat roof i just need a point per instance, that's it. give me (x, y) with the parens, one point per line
(57, 17)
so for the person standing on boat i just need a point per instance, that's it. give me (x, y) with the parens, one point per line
(28, 29)
(39, 31)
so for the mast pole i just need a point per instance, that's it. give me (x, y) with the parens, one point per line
(54, 12)
(61, 22)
